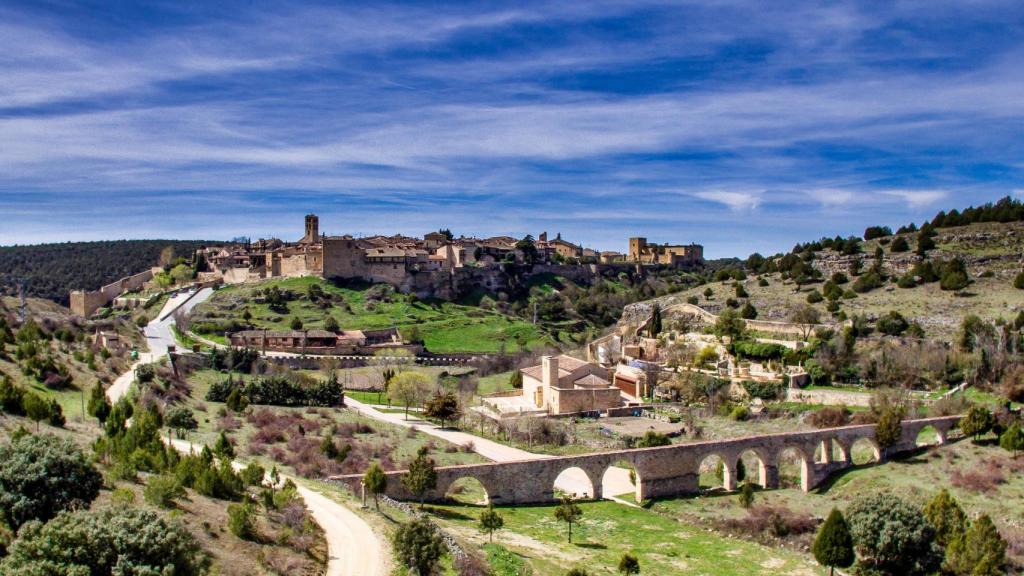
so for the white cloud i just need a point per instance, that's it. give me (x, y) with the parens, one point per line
(918, 198)
(832, 196)
(734, 200)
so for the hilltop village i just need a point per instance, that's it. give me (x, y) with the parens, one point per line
(435, 266)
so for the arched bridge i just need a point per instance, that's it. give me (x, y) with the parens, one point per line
(674, 470)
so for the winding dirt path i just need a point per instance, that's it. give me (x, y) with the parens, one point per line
(352, 546)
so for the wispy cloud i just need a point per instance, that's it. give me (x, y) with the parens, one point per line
(503, 117)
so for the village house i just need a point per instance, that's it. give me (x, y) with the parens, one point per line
(640, 251)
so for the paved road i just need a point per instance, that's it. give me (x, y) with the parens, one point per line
(574, 481)
(158, 336)
(352, 546)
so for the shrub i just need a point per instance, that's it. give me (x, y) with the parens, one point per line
(867, 282)
(829, 417)
(892, 536)
(740, 413)
(417, 545)
(900, 244)
(242, 520)
(892, 324)
(163, 490)
(976, 422)
(652, 439)
(1018, 281)
(41, 476)
(762, 390)
(121, 540)
(833, 546)
(813, 297)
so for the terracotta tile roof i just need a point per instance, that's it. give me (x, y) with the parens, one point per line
(592, 381)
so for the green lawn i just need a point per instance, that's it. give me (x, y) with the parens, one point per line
(444, 326)
(607, 531)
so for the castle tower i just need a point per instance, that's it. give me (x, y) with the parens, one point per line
(636, 247)
(312, 229)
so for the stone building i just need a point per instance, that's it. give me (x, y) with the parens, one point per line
(565, 385)
(642, 252)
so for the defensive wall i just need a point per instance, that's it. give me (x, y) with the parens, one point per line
(671, 470)
(84, 303)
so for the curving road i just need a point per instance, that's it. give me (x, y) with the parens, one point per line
(573, 481)
(352, 546)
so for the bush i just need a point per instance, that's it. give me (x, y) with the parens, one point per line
(814, 297)
(829, 417)
(121, 540)
(762, 390)
(41, 476)
(867, 282)
(892, 536)
(740, 413)
(163, 490)
(1018, 281)
(652, 439)
(242, 520)
(900, 244)
(417, 545)
(758, 350)
(892, 324)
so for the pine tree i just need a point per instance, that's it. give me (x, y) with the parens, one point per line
(223, 447)
(833, 546)
(1013, 439)
(421, 476)
(981, 551)
(490, 521)
(375, 482)
(655, 325)
(99, 406)
(516, 379)
(946, 517)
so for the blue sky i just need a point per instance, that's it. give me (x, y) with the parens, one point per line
(745, 126)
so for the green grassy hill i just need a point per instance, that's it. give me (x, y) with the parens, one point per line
(443, 326)
(991, 251)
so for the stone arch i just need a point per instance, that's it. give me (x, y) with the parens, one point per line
(714, 471)
(864, 450)
(930, 436)
(829, 450)
(576, 482)
(794, 468)
(467, 490)
(751, 465)
(620, 478)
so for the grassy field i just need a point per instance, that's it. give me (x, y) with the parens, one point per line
(607, 531)
(444, 326)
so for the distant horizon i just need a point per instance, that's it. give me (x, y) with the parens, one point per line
(296, 235)
(739, 126)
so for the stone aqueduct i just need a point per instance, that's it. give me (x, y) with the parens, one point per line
(672, 470)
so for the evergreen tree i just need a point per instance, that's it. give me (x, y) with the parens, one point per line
(569, 512)
(418, 546)
(99, 406)
(833, 546)
(516, 379)
(981, 551)
(223, 447)
(490, 521)
(976, 422)
(746, 495)
(1012, 439)
(421, 477)
(748, 312)
(375, 482)
(629, 565)
(946, 517)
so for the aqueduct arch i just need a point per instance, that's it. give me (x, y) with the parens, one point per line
(668, 470)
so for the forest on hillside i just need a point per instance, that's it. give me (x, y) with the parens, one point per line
(51, 271)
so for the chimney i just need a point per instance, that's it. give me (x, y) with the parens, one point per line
(549, 371)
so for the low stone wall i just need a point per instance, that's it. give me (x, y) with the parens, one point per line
(828, 397)
(670, 470)
(84, 303)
